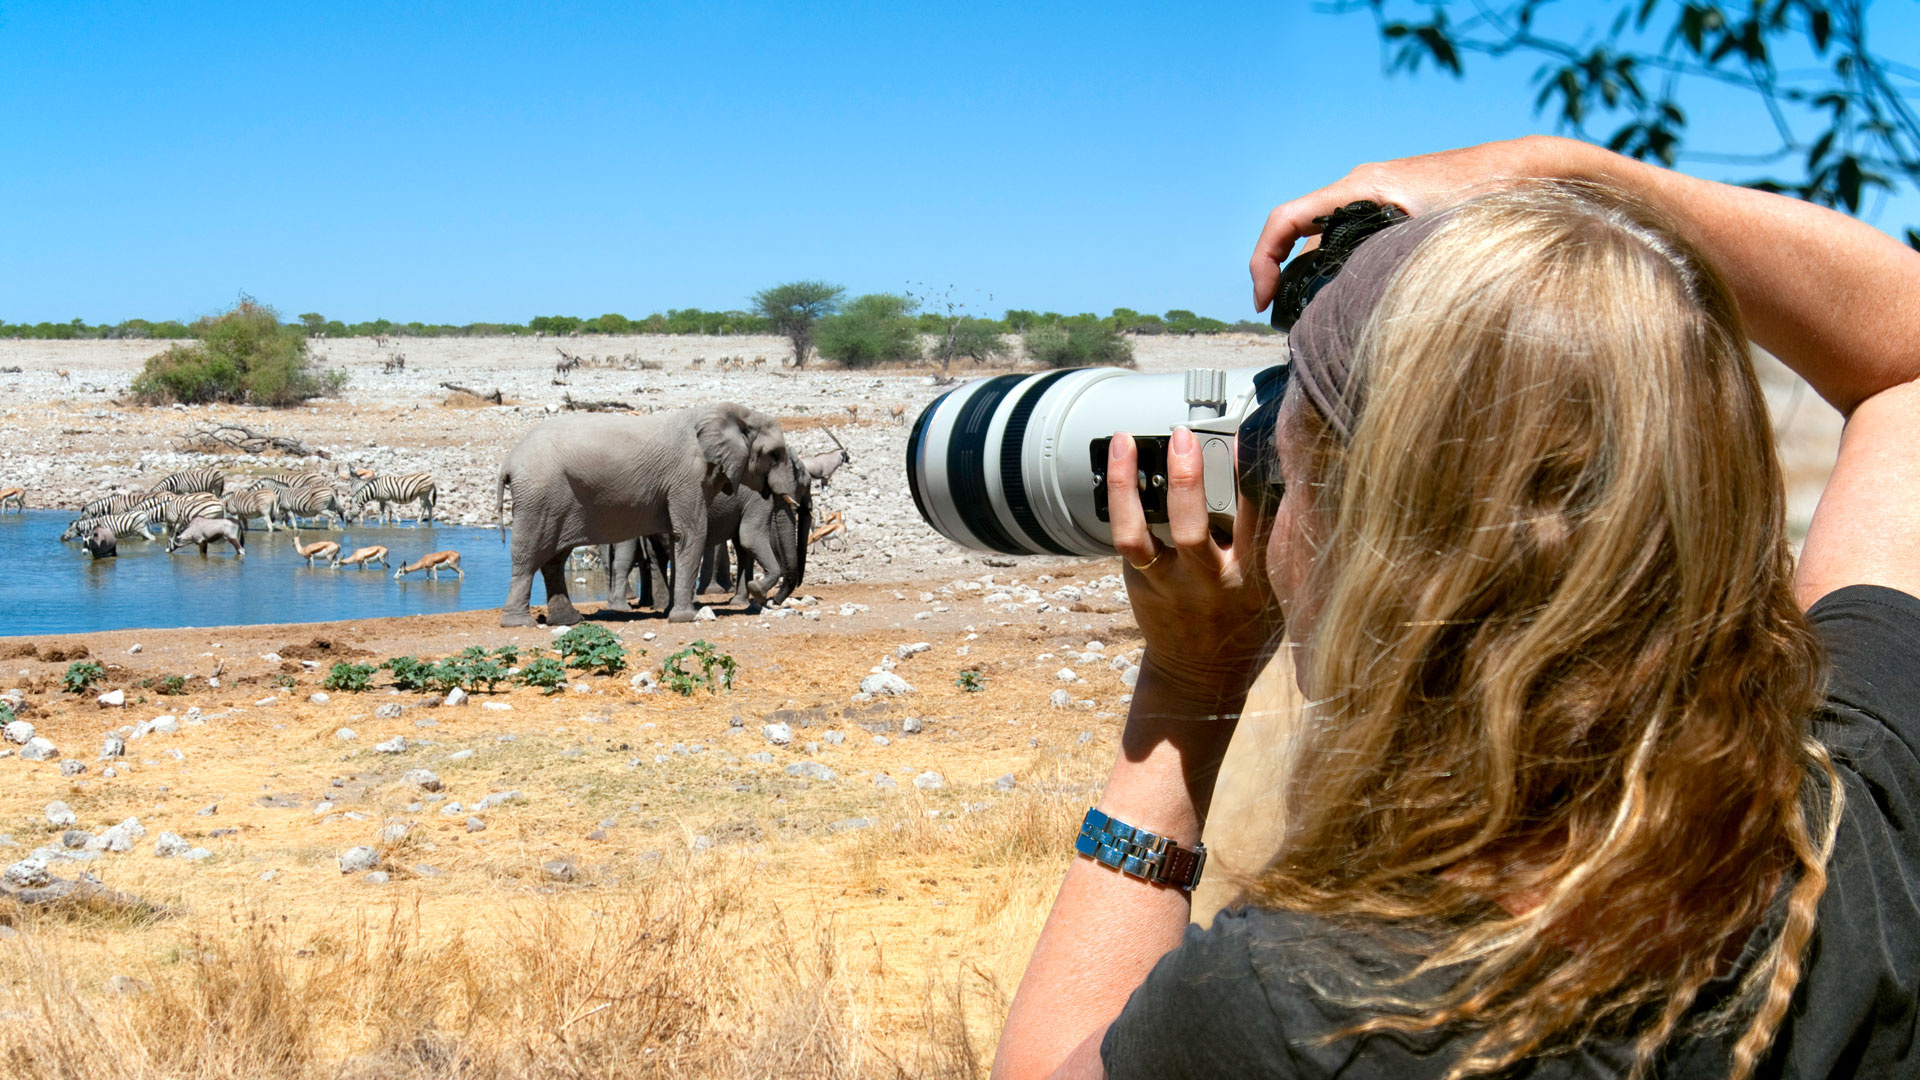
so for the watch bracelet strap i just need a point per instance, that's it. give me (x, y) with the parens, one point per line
(1139, 853)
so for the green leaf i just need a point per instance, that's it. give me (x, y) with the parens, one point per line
(1820, 148)
(1820, 25)
(1913, 238)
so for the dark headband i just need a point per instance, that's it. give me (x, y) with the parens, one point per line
(1323, 340)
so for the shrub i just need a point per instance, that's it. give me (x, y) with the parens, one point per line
(971, 681)
(979, 340)
(408, 672)
(591, 648)
(544, 673)
(81, 675)
(345, 676)
(244, 355)
(684, 682)
(6, 714)
(1078, 342)
(791, 310)
(877, 328)
(285, 682)
(171, 685)
(472, 669)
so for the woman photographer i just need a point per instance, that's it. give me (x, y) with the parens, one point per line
(1593, 779)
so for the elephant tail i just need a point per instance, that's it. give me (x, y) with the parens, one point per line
(500, 502)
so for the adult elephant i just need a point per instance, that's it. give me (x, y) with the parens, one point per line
(603, 478)
(764, 527)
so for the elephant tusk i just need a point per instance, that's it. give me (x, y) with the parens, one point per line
(792, 503)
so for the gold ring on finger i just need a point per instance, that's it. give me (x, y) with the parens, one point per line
(1148, 563)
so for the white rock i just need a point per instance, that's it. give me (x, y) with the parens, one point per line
(885, 682)
(59, 815)
(496, 706)
(456, 696)
(929, 781)
(394, 745)
(346, 734)
(112, 746)
(170, 845)
(705, 614)
(318, 698)
(1060, 699)
(134, 648)
(912, 726)
(112, 699)
(779, 734)
(1066, 675)
(39, 749)
(907, 651)
(1131, 676)
(19, 732)
(357, 860)
(645, 682)
(28, 873)
(423, 777)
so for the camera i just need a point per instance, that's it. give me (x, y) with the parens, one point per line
(1017, 463)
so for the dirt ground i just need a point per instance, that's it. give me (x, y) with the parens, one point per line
(923, 890)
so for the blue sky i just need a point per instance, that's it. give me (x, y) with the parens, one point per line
(476, 161)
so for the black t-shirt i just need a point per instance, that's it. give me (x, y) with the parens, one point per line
(1253, 994)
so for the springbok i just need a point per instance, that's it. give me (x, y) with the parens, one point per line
(432, 562)
(15, 497)
(363, 557)
(319, 549)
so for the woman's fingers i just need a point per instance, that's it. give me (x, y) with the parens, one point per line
(1124, 514)
(1187, 519)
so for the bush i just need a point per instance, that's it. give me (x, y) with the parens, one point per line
(681, 681)
(591, 648)
(1078, 342)
(978, 340)
(408, 672)
(245, 356)
(6, 714)
(877, 328)
(971, 681)
(81, 675)
(544, 673)
(472, 669)
(345, 676)
(170, 686)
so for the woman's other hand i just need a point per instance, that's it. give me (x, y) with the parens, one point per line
(1415, 184)
(1206, 611)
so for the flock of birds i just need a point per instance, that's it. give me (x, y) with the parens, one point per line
(200, 506)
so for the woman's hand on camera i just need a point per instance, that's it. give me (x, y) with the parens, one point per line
(1415, 184)
(1206, 611)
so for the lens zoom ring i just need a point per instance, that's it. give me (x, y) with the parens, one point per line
(967, 465)
(1012, 446)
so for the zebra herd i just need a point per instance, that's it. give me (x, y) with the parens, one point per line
(277, 499)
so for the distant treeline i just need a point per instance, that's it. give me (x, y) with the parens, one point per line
(674, 321)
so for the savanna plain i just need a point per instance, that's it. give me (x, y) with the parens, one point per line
(785, 877)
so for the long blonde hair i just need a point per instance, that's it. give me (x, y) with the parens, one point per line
(1561, 688)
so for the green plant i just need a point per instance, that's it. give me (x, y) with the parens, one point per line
(81, 675)
(592, 648)
(472, 669)
(345, 676)
(793, 308)
(243, 355)
(409, 673)
(874, 329)
(507, 654)
(172, 684)
(711, 661)
(971, 681)
(285, 682)
(1077, 342)
(546, 673)
(6, 714)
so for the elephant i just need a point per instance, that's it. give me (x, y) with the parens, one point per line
(764, 528)
(603, 478)
(207, 530)
(103, 544)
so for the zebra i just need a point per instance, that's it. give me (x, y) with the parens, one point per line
(191, 480)
(310, 501)
(386, 490)
(290, 478)
(260, 503)
(120, 504)
(180, 509)
(131, 523)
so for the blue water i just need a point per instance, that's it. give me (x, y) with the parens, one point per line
(47, 587)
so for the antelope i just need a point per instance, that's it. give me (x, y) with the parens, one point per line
(363, 557)
(15, 496)
(319, 549)
(432, 563)
(65, 376)
(899, 411)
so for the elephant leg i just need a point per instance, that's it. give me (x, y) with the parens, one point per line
(617, 560)
(723, 575)
(706, 571)
(657, 588)
(517, 611)
(742, 592)
(758, 546)
(560, 609)
(689, 543)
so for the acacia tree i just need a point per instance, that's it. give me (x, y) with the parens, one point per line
(794, 307)
(1840, 112)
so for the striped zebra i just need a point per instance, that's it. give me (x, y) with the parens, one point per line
(131, 523)
(120, 504)
(390, 490)
(293, 478)
(309, 502)
(188, 481)
(259, 503)
(180, 509)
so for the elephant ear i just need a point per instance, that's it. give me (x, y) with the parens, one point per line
(723, 442)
